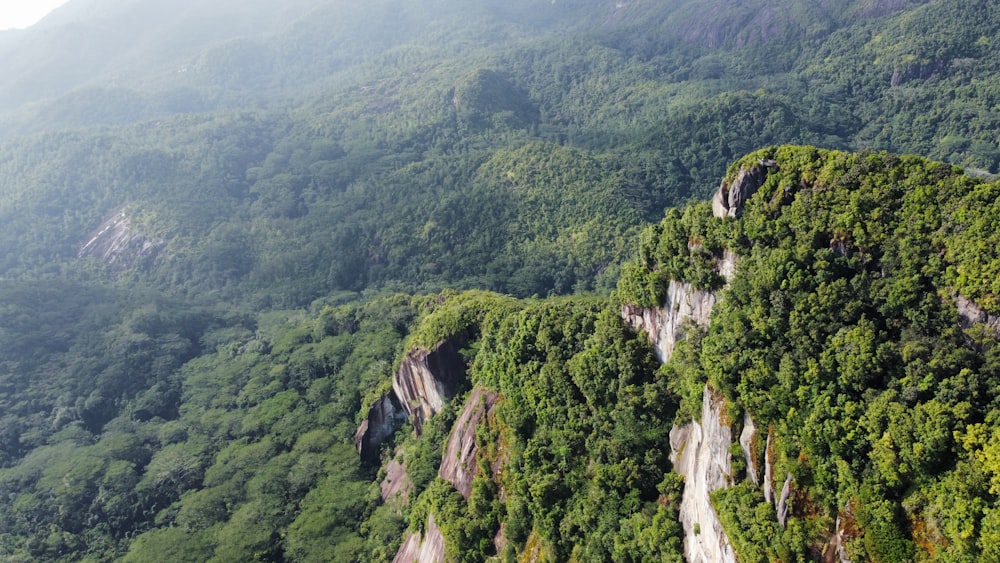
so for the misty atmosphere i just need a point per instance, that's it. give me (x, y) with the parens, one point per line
(484, 280)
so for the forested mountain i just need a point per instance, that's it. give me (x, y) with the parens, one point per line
(328, 281)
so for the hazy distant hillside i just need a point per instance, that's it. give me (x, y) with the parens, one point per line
(116, 61)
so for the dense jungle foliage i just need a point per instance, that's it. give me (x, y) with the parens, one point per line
(221, 226)
(840, 334)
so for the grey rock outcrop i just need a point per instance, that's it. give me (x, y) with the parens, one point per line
(747, 438)
(768, 471)
(458, 466)
(119, 245)
(729, 199)
(684, 304)
(970, 314)
(782, 505)
(396, 483)
(781, 500)
(428, 548)
(427, 379)
(700, 453)
(667, 325)
(726, 266)
(835, 551)
(384, 417)
(420, 388)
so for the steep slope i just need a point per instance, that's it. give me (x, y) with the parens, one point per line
(848, 331)
(800, 431)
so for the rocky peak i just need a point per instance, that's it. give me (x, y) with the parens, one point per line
(730, 198)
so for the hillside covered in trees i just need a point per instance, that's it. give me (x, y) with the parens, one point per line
(229, 236)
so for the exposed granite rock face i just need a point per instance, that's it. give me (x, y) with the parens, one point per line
(458, 466)
(384, 417)
(781, 501)
(726, 267)
(768, 471)
(500, 539)
(118, 245)
(729, 199)
(970, 314)
(426, 380)
(666, 325)
(700, 453)
(782, 505)
(396, 483)
(426, 549)
(747, 438)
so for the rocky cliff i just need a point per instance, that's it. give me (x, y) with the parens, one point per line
(384, 417)
(747, 441)
(458, 465)
(666, 325)
(683, 306)
(396, 483)
(424, 382)
(118, 244)
(426, 548)
(700, 452)
(427, 379)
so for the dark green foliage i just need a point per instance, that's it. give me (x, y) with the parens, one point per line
(749, 522)
(583, 426)
(248, 456)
